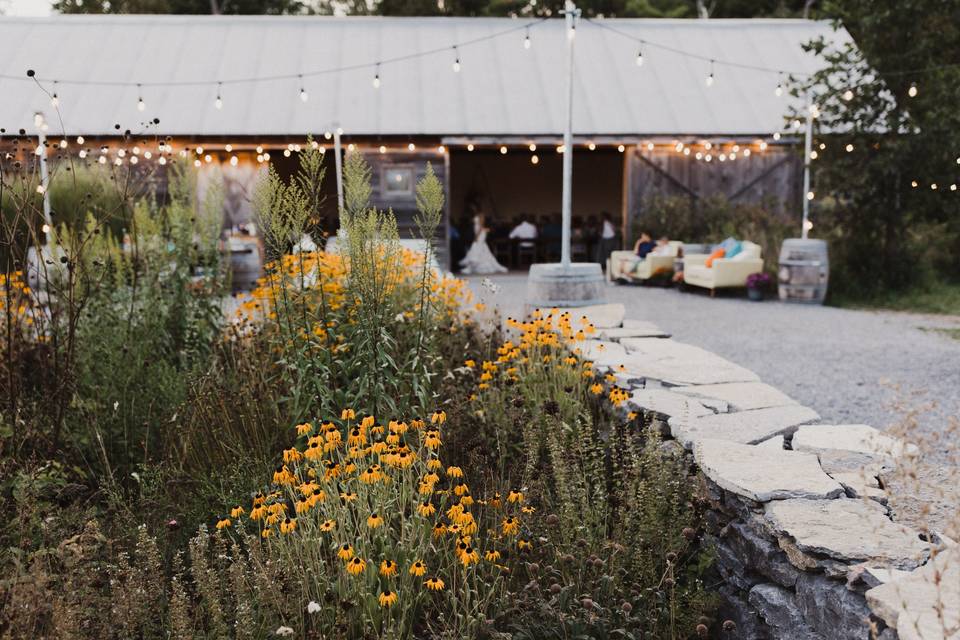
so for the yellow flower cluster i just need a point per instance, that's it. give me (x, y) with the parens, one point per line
(323, 277)
(17, 299)
(378, 498)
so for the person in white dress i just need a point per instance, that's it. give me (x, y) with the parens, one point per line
(479, 258)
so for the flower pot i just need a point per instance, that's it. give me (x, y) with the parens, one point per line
(755, 294)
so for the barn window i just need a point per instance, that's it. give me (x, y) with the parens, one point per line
(398, 181)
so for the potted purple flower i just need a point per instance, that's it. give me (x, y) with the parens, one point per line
(757, 284)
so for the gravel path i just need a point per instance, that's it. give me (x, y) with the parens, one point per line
(845, 364)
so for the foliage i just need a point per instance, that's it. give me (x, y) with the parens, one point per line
(621, 529)
(889, 228)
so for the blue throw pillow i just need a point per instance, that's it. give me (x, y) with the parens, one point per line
(731, 246)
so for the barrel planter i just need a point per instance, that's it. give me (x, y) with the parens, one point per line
(804, 271)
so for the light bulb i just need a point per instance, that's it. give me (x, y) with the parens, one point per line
(848, 95)
(621, 148)
(303, 95)
(456, 65)
(808, 224)
(776, 135)
(810, 195)
(503, 151)
(162, 161)
(912, 91)
(470, 147)
(534, 159)
(763, 146)
(79, 139)
(54, 101)
(376, 81)
(383, 149)
(933, 186)
(639, 58)
(532, 147)
(592, 146)
(141, 105)
(218, 103)
(913, 183)
(813, 155)
(82, 154)
(572, 32)
(746, 153)
(709, 80)
(411, 147)
(779, 90)
(228, 148)
(526, 41)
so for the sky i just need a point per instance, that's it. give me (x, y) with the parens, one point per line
(25, 7)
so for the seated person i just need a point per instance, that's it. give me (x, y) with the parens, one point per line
(663, 247)
(644, 245)
(523, 230)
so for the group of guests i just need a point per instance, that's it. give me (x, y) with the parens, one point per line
(592, 238)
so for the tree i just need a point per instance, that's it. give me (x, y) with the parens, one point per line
(888, 103)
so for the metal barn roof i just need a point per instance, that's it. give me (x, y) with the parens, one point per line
(503, 88)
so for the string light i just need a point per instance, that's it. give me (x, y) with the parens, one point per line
(912, 91)
(779, 90)
(470, 147)
(592, 146)
(709, 80)
(848, 95)
(411, 147)
(456, 60)
(621, 148)
(218, 103)
(376, 77)
(503, 150)
(810, 195)
(534, 159)
(303, 91)
(54, 99)
(80, 140)
(532, 147)
(526, 40)
(849, 148)
(776, 135)
(640, 58)
(441, 149)
(382, 149)
(141, 105)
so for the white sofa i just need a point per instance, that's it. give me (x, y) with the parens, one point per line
(626, 265)
(725, 272)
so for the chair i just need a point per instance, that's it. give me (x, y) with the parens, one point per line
(625, 265)
(725, 272)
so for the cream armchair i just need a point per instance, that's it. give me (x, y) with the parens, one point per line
(626, 265)
(725, 272)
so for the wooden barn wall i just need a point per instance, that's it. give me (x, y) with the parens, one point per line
(404, 205)
(773, 177)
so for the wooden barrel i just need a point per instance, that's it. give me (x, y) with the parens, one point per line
(804, 271)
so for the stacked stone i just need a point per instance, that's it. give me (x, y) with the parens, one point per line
(804, 542)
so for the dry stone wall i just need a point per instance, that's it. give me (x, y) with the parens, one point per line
(804, 542)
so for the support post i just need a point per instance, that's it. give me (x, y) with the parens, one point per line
(807, 151)
(337, 153)
(44, 176)
(571, 13)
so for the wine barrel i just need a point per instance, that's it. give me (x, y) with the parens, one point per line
(804, 271)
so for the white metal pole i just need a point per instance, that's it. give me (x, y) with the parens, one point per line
(571, 13)
(807, 151)
(337, 153)
(44, 176)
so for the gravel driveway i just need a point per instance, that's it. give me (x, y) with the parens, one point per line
(836, 361)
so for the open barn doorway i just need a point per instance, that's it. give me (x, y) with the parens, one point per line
(526, 186)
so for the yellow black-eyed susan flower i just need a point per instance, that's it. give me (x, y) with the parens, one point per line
(431, 439)
(469, 556)
(347, 496)
(426, 508)
(374, 521)
(223, 523)
(524, 544)
(455, 472)
(434, 584)
(348, 414)
(438, 417)
(388, 568)
(387, 598)
(515, 496)
(461, 489)
(288, 525)
(356, 565)
(492, 555)
(345, 552)
(328, 525)
(439, 529)
(433, 464)
(304, 429)
(237, 511)
(418, 568)
(510, 526)
(266, 533)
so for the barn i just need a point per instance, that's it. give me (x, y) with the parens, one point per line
(693, 107)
